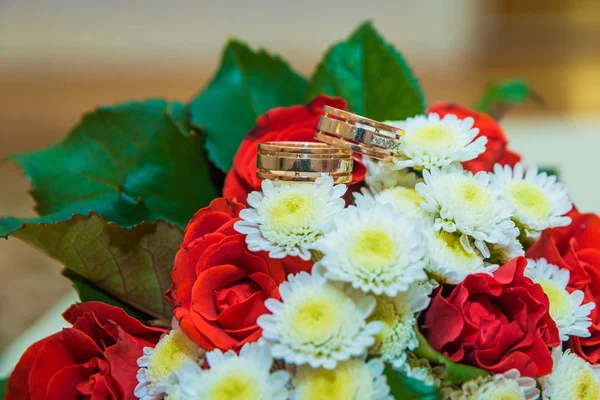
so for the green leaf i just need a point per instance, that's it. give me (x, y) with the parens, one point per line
(405, 388)
(129, 163)
(133, 265)
(455, 373)
(3, 383)
(500, 96)
(247, 84)
(90, 292)
(371, 75)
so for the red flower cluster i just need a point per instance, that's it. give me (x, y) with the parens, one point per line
(494, 322)
(219, 286)
(96, 358)
(577, 248)
(297, 124)
(496, 150)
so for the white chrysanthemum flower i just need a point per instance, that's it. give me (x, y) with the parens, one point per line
(246, 376)
(398, 317)
(566, 309)
(430, 141)
(403, 199)
(507, 386)
(287, 218)
(351, 380)
(317, 323)
(449, 261)
(159, 364)
(465, 203)
(376, 249)
(540, 202)
(572, 378)
(384, 175)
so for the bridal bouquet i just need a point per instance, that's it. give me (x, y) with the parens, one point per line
(365, 246)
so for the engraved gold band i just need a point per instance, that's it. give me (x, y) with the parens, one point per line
(303, 162)
(352, 132)
(379, 154)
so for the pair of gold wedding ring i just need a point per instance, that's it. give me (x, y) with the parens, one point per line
(341, 134)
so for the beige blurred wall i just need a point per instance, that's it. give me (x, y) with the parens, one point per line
(60, 58)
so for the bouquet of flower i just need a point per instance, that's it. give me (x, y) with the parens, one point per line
(365, 247)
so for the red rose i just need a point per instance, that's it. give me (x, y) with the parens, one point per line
(496, 148)
(577, 248)
(296, 123)
(95, 359)
(494, 322)
(219, 286)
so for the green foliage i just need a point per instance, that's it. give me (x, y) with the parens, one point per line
(90, 292)
(405, 388)
(3, 383)
(500, 96)
(247, 84)
(129, 163)
(371, 75)
(455, 373)
(132, 265)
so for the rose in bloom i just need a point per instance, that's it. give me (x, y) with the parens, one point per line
(296, 123)
(577, 248)
(494, 322)
(95, 359)
(219, 286)
(496, 150)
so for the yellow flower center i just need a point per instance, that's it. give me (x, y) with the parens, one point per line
(235, 387)
(351, 380)
(473, 195)
(434, 136)
(291, 211)
(373, 249)
(560, 301)
(402, 199)
(529, 200)
(316, 318)
(586, 386)
(170, 354)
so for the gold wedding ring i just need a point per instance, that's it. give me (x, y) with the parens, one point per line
(352, 132)
(303, 162)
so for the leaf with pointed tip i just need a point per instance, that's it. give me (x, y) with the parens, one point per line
(500, 96)
(406, 388)
(371, 75)
(247, 84)
(129, 163)
(131, 264)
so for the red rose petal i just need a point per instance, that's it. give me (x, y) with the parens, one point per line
(209, 282)
(243, 314)
(17, 387)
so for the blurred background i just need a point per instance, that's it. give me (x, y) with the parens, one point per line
(61, 58)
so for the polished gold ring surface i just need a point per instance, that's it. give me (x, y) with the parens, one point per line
(359, 134)
(302, 177)
(380, 154)
(301, 148)
(303, 162)
(347, 116)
